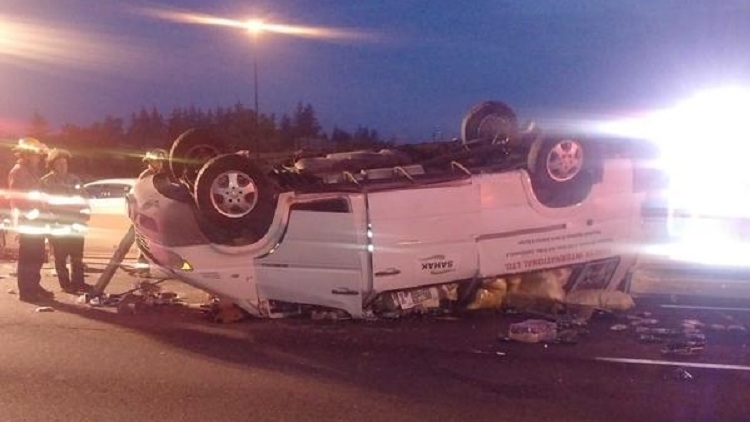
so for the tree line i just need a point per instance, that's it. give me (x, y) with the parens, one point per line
(113, 146)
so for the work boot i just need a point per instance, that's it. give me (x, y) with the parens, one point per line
(34, 298)
(44, 293)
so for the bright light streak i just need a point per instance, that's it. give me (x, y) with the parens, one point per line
(724, 252)
(257, 26)
(6, 40)
(43, 43)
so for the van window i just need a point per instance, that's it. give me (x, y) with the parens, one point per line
(339, 205)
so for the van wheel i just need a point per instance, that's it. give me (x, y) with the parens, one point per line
(234, 193)
(191, 150)
(489, 122)
(561, 170)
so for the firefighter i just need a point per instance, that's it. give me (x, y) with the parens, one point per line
(155, 161)
(68, 205)
(23, 182)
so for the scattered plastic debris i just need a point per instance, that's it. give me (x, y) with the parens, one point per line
(736, 328)
(692, 323)
(679, 374)
(482, 352)
(571, 321)
(533, 331)
(650, 338)
(618, 327)
(632, 317)
(44, 309)
(695, 336)
(658, 331)
(416, 301)
(683, 348)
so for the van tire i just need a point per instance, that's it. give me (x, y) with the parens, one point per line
(562, 171)
(489, 122)
(234, 193)
(191, 150)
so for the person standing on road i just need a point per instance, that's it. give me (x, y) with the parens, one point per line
(155, 162)
(68, 206)
(23, 184)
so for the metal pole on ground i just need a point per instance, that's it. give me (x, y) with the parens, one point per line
(114, 263)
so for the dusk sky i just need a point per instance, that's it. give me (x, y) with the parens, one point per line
(404, 67)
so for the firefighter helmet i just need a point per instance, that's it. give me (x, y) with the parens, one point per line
(30, 146)
(56, 153)
(157, 154)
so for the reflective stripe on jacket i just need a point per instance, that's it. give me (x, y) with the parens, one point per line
(22, 180)
(66, 199)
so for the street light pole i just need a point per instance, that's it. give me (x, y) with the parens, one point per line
(256, 27)
(255, 85)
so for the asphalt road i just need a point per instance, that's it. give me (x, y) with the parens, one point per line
(169, 363)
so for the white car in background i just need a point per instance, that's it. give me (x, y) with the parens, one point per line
(109, 218)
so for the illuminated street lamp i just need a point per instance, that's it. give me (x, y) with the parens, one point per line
(255, 27)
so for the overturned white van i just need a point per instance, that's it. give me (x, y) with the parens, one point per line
(362, 237)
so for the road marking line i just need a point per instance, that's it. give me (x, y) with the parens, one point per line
(711, 308)
(674, 363)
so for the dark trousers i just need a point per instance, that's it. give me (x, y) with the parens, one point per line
(65, 247)
(31, 253)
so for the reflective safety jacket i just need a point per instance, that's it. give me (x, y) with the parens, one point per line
(66, 202)
(25, 200)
